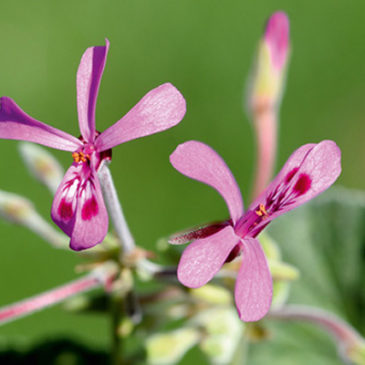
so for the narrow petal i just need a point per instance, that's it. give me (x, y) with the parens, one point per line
(160, 109)
(203, 258)
(88, 79)
(253, 290)
(200, 162)
(189, 235)
(16, 124)
(308, 172)
(78, 208)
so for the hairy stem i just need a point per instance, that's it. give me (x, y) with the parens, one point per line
(115, 209)
(48, 298)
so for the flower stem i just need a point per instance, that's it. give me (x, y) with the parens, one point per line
(265, 123)
(51, 297)
(115, 208)
(116, 318)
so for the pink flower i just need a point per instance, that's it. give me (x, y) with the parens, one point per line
(78, 207)
(310, 170)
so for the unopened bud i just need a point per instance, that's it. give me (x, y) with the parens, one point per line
(15, 208)
(125, 327)
(169, 348)
(222, 333)
(283, 271)
(42, 165)
(212, 294)
(281, 291)
(268, 77)
(279, 269)
(355, 353)
(20, 210)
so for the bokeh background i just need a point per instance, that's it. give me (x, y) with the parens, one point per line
(205, 48)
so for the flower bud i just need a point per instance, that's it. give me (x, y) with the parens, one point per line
(222, 333)
(169, 348)
(268, 77)
(212, 294)
(42, 165)
(15, 208)
(19, 210)
(355, 353)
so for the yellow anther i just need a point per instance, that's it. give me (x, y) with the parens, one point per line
(80, 156)
(261, 212)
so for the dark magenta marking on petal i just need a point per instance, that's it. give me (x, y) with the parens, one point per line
(65, 210)
(199, 232)
(90, 209)
(291, 174)
(236, 251)
(303, 184)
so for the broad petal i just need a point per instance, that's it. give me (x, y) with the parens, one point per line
(78, 208)
(65, 200)
(88, 79)
(200, 162)
(91, 224)
(308, 172)
(160, 109)
(253, 290)
(16, 124)
(203, 258)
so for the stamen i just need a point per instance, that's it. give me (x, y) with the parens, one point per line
(261, 212)
(80, 156)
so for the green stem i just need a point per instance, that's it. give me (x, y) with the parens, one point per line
(116, 340)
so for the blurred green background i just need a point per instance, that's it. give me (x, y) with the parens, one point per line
(205, 48)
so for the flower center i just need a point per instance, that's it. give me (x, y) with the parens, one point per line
(261, 211)
(80, 157)
(250, 220)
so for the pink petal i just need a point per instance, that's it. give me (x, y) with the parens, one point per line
(277, 38)
(308, 172)
(87, 84)
(203, 258)
(200, 162)
(253, 290)
(78, 208)
(16, 124)
(160, 109)
(91, 224)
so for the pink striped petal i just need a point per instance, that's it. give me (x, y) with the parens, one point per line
(88, 79)
(78, 208)
(65, 200)
(160, 109)
(200, 162)
(203, 258)
(91, 224)
(253, 290)
(308, 172)
(16, 124)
